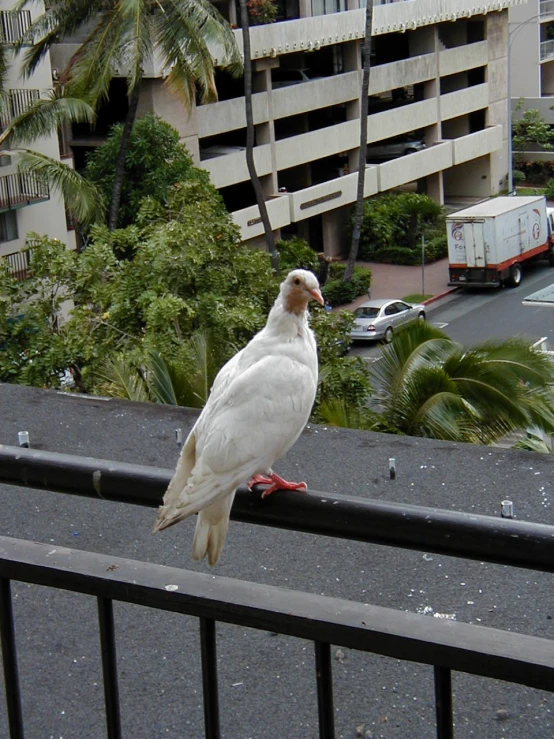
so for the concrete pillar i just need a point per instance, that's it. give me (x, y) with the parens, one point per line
(335, 240)
(156, 98)
(435, 187)
(265, 132)
(305, 8)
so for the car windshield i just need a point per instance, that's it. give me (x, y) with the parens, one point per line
(367, 312)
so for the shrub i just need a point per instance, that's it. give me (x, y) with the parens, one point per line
(397, 255)
(295, 253)
(436, 248)
(518, 177)
(361, 278)
(338, 292)
(398, 221)
(549, 192)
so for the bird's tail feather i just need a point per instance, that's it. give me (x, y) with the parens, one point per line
(211, 530)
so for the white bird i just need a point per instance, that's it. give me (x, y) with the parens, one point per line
(258, 406)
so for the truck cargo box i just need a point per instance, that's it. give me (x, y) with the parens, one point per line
(489, 242)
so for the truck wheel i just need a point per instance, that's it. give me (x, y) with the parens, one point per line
(516, 276)
(388, 335)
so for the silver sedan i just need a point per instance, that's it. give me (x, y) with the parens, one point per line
(379, 319)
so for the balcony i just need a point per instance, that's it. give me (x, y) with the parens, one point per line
(13, 25)
(21, 189)
(547, 50)
(546, 8)
(19, 263)
(17, 102)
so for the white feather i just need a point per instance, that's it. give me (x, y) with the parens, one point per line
(258, 406)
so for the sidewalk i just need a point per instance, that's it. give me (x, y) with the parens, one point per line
(397, 281)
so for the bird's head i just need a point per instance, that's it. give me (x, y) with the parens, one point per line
(299, 287)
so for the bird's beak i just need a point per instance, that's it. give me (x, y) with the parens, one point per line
(316, 295)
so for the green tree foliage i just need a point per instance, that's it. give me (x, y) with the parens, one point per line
(42, 119)
(179, 34)
(153, 310)
(394, 224)
(296, 253)
(431, 386)
(530, 132)
(156, 161)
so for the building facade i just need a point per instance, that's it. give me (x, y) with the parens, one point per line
(438, 100)
(531, 45)
(26, 203)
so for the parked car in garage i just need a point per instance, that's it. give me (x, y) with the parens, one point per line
(393, 148)
(283, 77)
(379, 319)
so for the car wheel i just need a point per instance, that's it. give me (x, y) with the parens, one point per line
(388, 335)
(516, 275)
(421, 316)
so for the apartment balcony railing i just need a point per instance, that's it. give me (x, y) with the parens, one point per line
(17, 102)
(445, 646)
(19, 263)
(547, 7)
(547, 50)
(20, 189)
(13, 25)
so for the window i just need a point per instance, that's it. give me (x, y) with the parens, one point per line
(8, 226)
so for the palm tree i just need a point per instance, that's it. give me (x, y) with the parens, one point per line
(179, 33)
(431, 386)
(260, 200)
(42, 118)
(362, 158)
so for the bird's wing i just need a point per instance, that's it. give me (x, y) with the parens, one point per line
(259, 416)
(256, 419)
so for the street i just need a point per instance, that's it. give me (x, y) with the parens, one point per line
(476, 315)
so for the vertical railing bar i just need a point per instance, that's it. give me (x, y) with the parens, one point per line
(9, 658)
(443, 703)
(209, 678)
(109, 666)
(324, 677)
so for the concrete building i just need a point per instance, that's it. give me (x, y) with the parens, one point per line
(439, 77)
(531, 46)
(26, 203)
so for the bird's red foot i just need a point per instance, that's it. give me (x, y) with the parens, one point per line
(275, 482)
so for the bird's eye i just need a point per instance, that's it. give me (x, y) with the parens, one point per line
(297, 281)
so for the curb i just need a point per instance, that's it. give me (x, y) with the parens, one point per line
(440, 295)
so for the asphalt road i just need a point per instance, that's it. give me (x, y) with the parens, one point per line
(267, 682)
(471, 316)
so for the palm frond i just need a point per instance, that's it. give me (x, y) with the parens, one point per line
(337, 412)
(90, 70)
(43, 117)
(185, 35)
(118, 378)
(533, 443)
(82, 199)
(161, 380)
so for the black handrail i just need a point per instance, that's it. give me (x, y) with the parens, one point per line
(454, 533)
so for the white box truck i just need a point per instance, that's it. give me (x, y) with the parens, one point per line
(489, 243)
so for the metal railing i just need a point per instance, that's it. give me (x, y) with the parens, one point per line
(19, 263)
(18, 101)
(13, 25)
(547, 50)
(447, 646)
(21, 189)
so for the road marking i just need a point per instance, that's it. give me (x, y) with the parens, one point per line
(438, 324)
